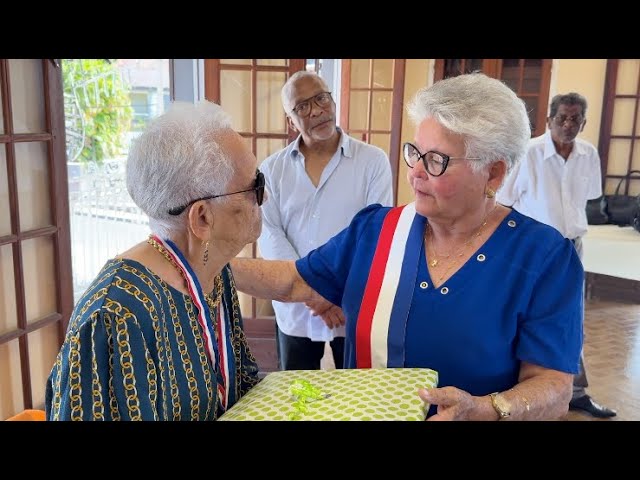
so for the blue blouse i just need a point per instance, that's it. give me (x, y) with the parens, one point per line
(519, 298)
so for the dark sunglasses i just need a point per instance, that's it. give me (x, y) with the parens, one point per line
(258, 187)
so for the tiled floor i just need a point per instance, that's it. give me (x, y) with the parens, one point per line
(612, 358)
(611, 355)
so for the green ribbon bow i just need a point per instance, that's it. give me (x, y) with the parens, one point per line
(304, 393)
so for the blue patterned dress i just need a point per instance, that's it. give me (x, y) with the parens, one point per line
(134, 351)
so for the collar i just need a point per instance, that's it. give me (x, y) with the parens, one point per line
(550, 148)
(345, 144)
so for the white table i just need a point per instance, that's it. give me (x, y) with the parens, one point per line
(612, 250)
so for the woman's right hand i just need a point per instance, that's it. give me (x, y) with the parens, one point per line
(456, 404)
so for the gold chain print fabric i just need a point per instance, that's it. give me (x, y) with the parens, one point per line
(134, 350)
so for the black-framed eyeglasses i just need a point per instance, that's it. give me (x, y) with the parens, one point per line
(435, 163)
(258, 187)
(303, 108)
(560, 119)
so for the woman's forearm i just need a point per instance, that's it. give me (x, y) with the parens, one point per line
(271, 279)
(541, 394)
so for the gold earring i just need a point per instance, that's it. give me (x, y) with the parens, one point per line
(206, 254)
(490, 192)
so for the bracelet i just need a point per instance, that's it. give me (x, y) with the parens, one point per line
(527, 405)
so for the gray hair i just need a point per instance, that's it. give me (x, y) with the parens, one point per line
(490, 117)
(176, 160)
(288, 86)
(571, 98)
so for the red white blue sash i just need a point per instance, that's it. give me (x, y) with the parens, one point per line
(217, 351)
(382, 320)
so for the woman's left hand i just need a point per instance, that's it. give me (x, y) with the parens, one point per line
(453, 403)
(333, 317)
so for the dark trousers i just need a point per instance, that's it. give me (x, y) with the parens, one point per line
(301, 353)
(580, 381)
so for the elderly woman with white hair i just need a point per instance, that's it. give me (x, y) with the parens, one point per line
(453, 281)
(158, 335)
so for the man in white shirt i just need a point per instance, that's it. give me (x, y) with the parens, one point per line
(552, 184)
(316, 185)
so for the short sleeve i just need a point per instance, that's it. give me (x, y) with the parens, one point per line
(551, 328)
(327, 268)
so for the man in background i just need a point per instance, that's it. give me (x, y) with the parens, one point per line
(552, 184)
(316, 185)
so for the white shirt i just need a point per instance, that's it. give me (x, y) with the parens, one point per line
(551, 190)
(299, 217)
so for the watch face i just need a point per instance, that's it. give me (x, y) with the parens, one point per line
(503, 405)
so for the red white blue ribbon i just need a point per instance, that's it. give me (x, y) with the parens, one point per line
(384, 311)
(217, 351)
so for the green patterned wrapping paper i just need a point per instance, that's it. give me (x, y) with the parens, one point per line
(351, 394)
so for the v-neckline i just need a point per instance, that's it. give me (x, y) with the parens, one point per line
(486, 246)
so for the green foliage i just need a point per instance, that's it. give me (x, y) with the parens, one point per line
(104, 104)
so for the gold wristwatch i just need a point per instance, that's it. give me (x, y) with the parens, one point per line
(500, 405)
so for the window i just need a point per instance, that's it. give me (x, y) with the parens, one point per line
(249, 90)
(35, 272)
(619, 144)
(528, 77)
(371, 105)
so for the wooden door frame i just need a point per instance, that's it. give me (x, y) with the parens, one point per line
(60, 231)
(212, 88)
(396, 113)
(212, 68)
(493, 68)
(606, 118)
(606, 123)
(260, 330)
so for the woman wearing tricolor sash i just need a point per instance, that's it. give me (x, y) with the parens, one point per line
(158, 335)
(453, 281)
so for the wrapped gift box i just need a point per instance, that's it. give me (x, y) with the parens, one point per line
(350, 394)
